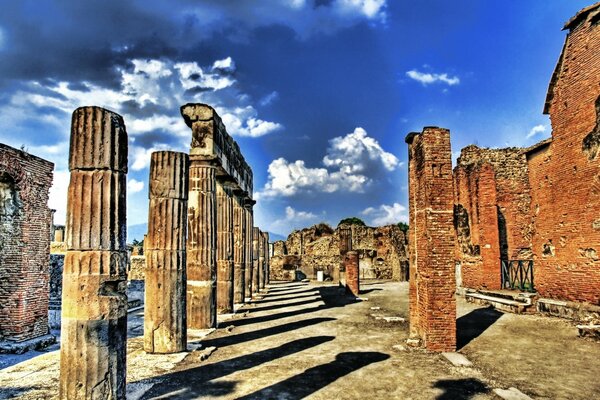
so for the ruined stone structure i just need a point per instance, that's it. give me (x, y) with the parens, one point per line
(382, 252)
(165, 283)
(24, 245)
(431, 239)
(239, 250)
(94, 306)
(351, 269)
(249, 248)
(265, 254)
(541, 203)
(224, 248)
(213, 155)
(256, 266)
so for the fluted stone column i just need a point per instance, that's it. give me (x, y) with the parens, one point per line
(201, 245)
(261, 260)
(249, 246)
(224, 248)
(265, 252)
(256, 260)
(94, 302)
(239, 237)
(165, 328)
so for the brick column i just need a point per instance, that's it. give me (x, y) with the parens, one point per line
(201, 245)
(431, 243)
(255, 260)
(249, 246)
(489, 239)
(239, 249)
(224, 248)
(94, 303)
(352, 272)
(165, 328)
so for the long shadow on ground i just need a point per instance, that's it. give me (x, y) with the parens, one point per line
(316, 378)
(460, 389)
(276, 306)
(195, 381)
(473, 324)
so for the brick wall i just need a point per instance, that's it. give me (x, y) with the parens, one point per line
(25, 221)
(431, 239)
(565, 173)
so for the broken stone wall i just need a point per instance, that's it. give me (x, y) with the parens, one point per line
(565, 173)
(25, 221)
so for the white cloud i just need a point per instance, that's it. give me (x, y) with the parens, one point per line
(58, 195)
(353, 162)
(134, 186)
(269, 99)
(225, 64)
(371, 9)
(386, 214)
(427, 78)
(293, 219)
(141, 156)
(242, 121)
(536, 130)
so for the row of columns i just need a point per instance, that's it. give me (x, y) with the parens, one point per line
(203, 254)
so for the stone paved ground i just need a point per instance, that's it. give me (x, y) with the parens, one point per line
(309, 341)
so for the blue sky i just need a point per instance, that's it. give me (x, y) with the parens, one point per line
(318, 93)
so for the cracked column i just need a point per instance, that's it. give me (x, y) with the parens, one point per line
(249, 246)
(213, 155)
(255, 260)
(431, 245)
(239, 249)
(165, 328)
(224, 247)
(94, 302)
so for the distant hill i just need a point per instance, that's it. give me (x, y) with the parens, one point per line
(136, 232)
(139, 230)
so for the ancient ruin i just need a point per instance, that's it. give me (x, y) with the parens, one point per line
(431, 239)
(24, 247)
(94, 307)
(382, 253)
(165, 328)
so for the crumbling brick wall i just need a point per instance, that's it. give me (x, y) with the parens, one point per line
(25, 221)
(565, 173)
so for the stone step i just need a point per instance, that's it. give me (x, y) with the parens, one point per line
(522, 297)
(499, 303)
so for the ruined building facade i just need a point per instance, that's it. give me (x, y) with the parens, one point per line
(381, 252)
(25, 221)
(541, 203)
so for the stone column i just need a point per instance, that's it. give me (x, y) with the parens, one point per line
(224, 248)
(255, 260)
(94, 303)
(201, 245)
(249, 246)
(239, 249)
(266, 256)
(352, 272)
(261, 260)
(431, 244)
(165, 328)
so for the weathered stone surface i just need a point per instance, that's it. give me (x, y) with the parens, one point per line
(25, 220)
(201, 245)
(165, 324)
(266, 257)
(239, 250)
(431, 210)
(224, 248)
(94, 307)
(261, 260)
(256, 234)
(352, 272)
(249, 245)
(211, 141)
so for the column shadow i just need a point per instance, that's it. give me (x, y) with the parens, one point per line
(460, 389)
(275, 307)
(315, 293)
(316, 378)
(194, 382)
(473, 324)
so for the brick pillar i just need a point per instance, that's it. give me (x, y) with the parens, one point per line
(352, 272)
(489, 239)
(239, 249)
(261, 260)
(249, 246)
(165, 328)
(201, 245)
(255, 260)
(94, 303)
(224, 248)
(431, 243)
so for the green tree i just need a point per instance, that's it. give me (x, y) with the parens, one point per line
(352, 221)
(403, 226)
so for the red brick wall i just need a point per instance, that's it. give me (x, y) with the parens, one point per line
(565, 177)
(476, 224)
(24, 244)
(431, 240)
